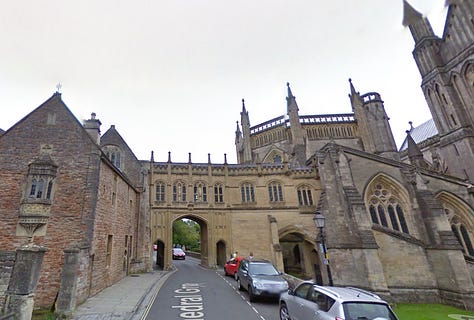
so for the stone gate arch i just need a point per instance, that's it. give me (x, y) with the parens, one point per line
(301, 256)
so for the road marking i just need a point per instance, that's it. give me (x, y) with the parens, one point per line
(236, 290)
(190, 301)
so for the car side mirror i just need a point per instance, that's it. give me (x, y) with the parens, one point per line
(291, 292)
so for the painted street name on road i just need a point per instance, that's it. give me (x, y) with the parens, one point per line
(190, 301)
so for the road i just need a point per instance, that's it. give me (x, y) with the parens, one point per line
(197, 293)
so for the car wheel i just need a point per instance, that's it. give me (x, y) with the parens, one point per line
(225, 272)
(252, 296)
(284, 315)
(239, 285)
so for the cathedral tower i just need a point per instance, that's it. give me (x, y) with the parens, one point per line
(446, 66)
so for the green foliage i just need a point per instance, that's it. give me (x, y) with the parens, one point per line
(187, 232)
(428, 312)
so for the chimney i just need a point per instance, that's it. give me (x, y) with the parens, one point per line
(92, 127)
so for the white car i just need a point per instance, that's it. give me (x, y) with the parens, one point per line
(312, 302)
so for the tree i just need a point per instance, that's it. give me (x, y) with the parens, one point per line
(188, 233)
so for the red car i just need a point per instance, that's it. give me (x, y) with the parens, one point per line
(178, 253)
(231, 266)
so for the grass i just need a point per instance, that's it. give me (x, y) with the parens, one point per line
(430, 312)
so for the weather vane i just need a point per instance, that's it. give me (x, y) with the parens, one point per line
(58, 87)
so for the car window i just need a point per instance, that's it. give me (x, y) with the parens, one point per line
(366, 310)
(302, 290)
(323, 302)
(262, 269)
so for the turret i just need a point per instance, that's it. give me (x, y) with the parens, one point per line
(373, 124)
(297, 133)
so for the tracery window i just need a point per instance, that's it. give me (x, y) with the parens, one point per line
(277, 158)
(218, 193)
(200, 192)
(160, 192)
(179, 192)
(114, 154)
(41, 178)
(461, 232)
(385, 209)
(305, 197)
(248, 193)
(275, 192)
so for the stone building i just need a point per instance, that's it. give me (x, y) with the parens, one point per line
(400, 223)
(70, 191)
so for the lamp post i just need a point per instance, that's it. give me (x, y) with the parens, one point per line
(319, 222)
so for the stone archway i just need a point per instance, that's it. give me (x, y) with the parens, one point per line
(203, 237)
(300, 257)
(159, 254)
(221, 256)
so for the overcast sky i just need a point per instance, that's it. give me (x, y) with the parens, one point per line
(170, 75)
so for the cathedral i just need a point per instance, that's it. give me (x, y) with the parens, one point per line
(398, 221)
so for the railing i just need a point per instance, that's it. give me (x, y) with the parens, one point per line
(328, 118)
(268, 124)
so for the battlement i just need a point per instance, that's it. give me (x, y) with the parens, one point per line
(328, 118)
(371, 97)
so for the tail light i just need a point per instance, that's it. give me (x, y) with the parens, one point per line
(337, 318)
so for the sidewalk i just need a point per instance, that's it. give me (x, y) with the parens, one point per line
(126, 299)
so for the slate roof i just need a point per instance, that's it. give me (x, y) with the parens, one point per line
(421, 133)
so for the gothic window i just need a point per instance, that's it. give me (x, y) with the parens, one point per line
(114, 154)
(200, 192)
(179, 192)
(460, 230)
(41, 178)
(160, 192)
(277, 159)
(218, 193)
(305, 198)
(247, 192)
(385, 208)
(275, 192)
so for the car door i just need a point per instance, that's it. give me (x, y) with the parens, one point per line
(296, 302)
(244, 274)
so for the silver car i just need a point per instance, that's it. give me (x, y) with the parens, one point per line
(312, 302)
(260, 278)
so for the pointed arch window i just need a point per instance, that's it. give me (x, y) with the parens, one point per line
(179, 192)
(218, 193)
(200, 193)
(247, 192)
(458, 226)
(385, 208)
(160, 192)
(305, 197)
(275, 192)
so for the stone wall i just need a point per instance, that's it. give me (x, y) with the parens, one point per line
(7, 261)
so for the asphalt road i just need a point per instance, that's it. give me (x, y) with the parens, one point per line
(197, 293)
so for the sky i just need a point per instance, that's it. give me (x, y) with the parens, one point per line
(170, 75)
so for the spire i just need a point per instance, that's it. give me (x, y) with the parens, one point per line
(414, 153)
(410, 15)
(152, 156)
(243, 105)
(290, 99)
(354, 95)
(419, 26)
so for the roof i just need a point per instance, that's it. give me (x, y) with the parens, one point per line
(421, 133)
(350, 294)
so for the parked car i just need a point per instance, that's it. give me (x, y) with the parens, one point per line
(312, 302)
(178, 253)
(231, 267)
(260, 278)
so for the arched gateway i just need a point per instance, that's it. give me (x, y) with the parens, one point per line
(239, 208)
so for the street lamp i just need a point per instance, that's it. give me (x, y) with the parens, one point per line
(319, 222)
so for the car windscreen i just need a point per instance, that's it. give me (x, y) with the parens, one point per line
(367, 311)
(262, 269)
(177, 250)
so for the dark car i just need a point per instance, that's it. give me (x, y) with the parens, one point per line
(178, 253)
(231, 267)
(260, 278)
